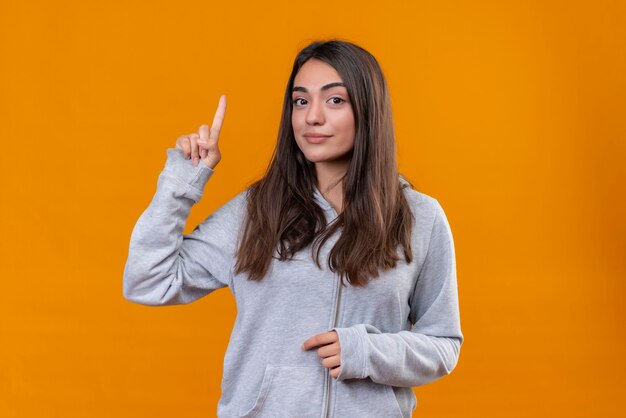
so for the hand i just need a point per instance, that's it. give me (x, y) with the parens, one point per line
(329, 351)
(203, 145)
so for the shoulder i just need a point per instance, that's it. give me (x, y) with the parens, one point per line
(428, 214)
(422, 205)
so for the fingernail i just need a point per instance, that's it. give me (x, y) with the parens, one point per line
(195, 161)
(302, 346)
(201, 141)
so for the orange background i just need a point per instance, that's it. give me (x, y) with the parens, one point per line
(511, 114)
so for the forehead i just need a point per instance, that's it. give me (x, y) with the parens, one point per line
(315, 73)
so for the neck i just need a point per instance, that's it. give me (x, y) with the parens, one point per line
(328, 181)
(328, 175)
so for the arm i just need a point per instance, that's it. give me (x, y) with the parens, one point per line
(166, 267)
(429, 350)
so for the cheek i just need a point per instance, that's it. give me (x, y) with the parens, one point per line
(347, 126)
(296, 120)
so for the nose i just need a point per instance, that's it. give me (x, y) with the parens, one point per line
(315, 114)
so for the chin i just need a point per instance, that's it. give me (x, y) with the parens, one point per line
(323, 157)
(316, 158)
(320, 153)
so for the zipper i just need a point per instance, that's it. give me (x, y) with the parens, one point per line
(329, 378)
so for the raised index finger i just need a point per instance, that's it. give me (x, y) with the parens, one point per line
(218, 118)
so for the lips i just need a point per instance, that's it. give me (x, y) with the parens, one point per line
(316, 138)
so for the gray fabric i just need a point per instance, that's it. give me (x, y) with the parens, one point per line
(401, 330)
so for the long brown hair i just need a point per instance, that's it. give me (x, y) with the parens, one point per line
(282, 215)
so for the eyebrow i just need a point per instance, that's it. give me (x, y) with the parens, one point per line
(326, 87)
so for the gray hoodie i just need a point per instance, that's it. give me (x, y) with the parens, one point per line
(401, 330)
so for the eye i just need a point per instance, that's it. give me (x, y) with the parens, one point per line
(337, 98)
(295, 101)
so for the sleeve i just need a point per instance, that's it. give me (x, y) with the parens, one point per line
(430, 349)
(167, 267)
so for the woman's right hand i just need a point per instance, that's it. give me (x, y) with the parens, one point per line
(203, 145)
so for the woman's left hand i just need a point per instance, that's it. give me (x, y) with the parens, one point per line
(329, 350)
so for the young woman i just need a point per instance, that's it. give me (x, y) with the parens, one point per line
(344, 275)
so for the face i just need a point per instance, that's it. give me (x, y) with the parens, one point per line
(322, 117)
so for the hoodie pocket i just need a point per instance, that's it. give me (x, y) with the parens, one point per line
(289, 391)
(364, 397)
